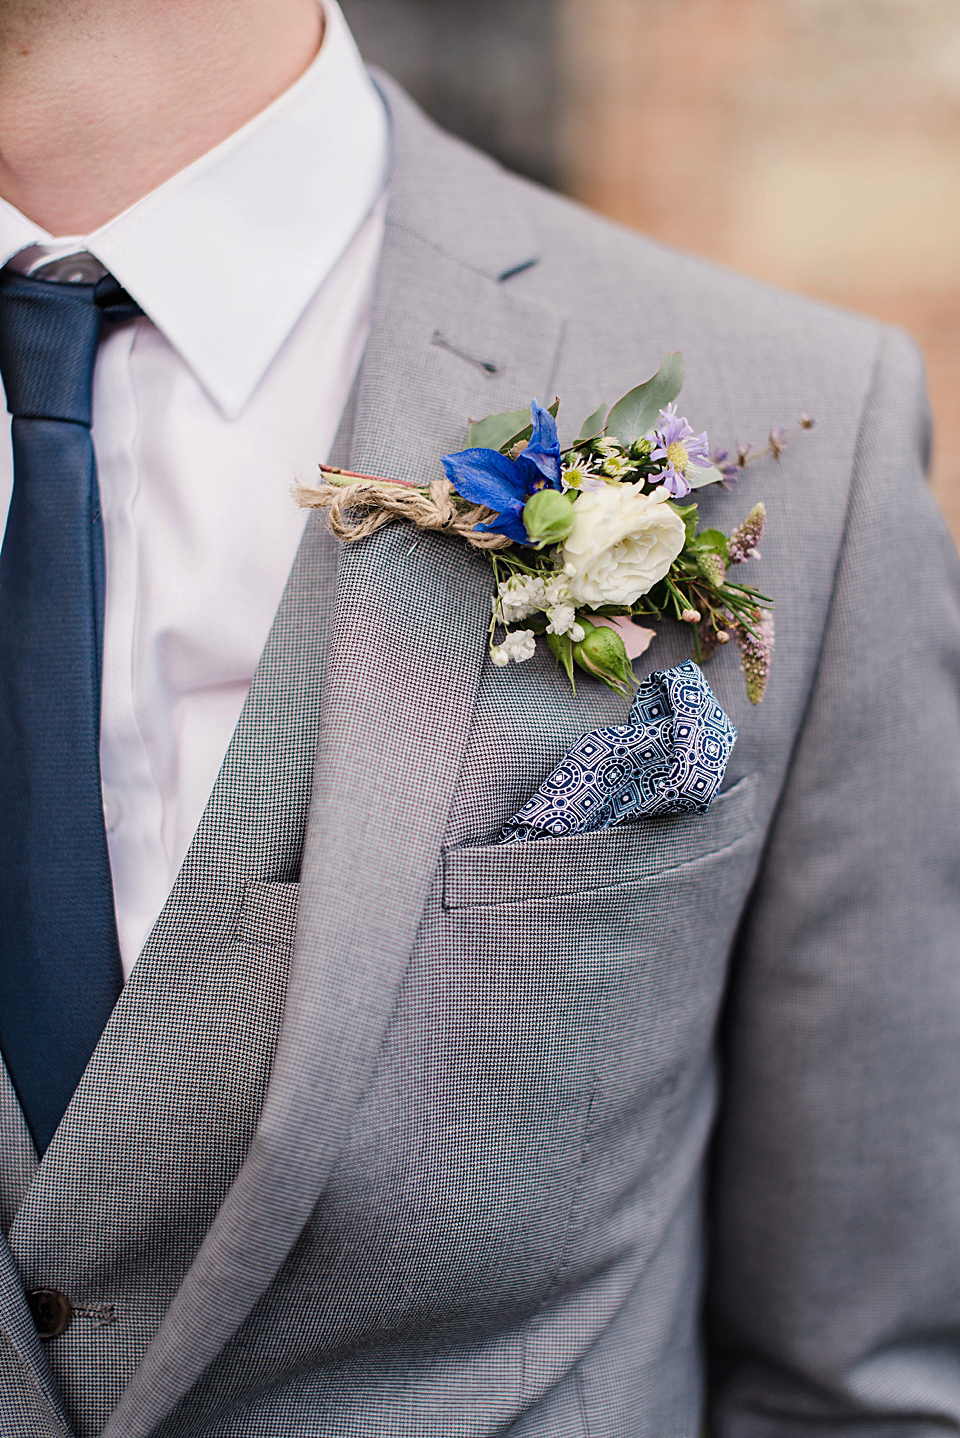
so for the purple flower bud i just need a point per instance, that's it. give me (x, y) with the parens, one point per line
(755, 652)
(728, 467)
(778, 442)
(742, 544)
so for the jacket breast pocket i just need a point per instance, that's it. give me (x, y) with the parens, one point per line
(268, 917)
(491, 874)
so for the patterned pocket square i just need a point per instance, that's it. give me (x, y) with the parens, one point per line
(670, 758)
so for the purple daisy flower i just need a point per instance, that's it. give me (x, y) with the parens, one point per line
(675, 441)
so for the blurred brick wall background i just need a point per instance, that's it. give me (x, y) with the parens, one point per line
(486, 69)
(813, 143)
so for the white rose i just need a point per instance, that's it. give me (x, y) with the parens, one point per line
(622, 542)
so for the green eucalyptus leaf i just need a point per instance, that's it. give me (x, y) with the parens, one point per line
(713, 540)
(508, 432)
(637, 412)
(697, 477)
(526, 434)
(497, 430)
(524, 437)
(593, 427)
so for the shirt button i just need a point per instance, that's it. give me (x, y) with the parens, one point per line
(52, 1311)
(80, 268)
(111, 812)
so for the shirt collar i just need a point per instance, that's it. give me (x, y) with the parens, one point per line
(225, 256)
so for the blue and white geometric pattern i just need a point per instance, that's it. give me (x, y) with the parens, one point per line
(670, 758)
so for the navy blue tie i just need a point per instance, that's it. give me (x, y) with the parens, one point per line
(60, 973)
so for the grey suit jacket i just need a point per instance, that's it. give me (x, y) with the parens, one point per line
(395, 1131)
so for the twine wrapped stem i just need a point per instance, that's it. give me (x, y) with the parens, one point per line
(359, 505)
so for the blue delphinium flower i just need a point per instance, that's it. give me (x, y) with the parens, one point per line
(484, 476)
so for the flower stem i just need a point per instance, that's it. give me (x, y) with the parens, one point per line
(349, 474)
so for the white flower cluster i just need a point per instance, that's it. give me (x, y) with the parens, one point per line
(520, 644)
(581, 471)
(522, 595)
(614, 463)
(518, 597)
(563, 621)
(604, 462)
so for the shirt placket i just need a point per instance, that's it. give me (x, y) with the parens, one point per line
(133, 803)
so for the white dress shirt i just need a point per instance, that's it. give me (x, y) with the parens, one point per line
(256, 267)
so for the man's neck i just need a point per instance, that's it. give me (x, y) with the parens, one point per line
(103, 100)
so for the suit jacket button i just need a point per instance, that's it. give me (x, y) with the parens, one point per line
(52, 1311)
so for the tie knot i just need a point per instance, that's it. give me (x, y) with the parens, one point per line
(49, 333)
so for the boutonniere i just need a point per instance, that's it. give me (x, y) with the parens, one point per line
(588, 541)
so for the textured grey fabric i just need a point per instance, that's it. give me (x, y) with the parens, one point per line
(467, 1196)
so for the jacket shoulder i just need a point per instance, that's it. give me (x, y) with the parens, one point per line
(594, 270)
(618, 278)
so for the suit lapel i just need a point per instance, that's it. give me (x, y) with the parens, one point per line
(406, 651)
